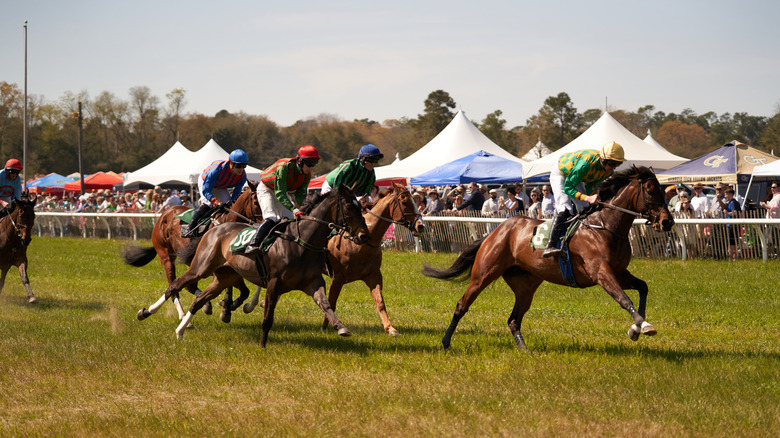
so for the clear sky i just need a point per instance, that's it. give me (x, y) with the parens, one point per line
(292, 60)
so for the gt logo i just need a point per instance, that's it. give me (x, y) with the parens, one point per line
(756, 161)
(715, 161)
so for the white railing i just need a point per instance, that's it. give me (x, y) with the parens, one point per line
(690, 238)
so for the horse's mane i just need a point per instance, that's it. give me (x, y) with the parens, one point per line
(608, 188)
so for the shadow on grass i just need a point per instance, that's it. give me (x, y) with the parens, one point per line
(48, 303)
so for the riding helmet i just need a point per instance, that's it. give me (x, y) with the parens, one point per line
(239, 156)
(308, 152)
(13, 163)
(613, 151)
(370, 151)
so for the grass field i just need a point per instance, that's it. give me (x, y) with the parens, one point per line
(78, 363)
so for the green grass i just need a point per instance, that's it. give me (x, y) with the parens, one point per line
(79, 363)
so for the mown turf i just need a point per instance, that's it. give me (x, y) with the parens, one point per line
(79, 363)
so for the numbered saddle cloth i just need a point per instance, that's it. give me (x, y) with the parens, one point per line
(186, 217)
(242, 239)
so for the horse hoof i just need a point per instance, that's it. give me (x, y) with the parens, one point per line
(143, 314)
(248, 308)
(32, 300)
(225, 317)
(207, 308)
(179, 334)
(648, 329)
(190, 325)
(262, 304)
(393, 332)
(222, 303)
(633, 333)
(344, 332)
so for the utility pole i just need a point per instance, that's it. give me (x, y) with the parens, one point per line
(81, 173)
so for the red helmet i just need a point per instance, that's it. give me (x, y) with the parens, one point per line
(308, 152)
(13, 163)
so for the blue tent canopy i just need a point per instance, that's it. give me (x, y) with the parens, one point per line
(50, 183)
(480, 167)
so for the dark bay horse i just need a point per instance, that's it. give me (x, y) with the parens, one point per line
(351, 262)
(600, 252)
(167, 240)
(15, 235)
(294, 261)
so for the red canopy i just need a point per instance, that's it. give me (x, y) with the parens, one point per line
(98, 180)
(316, 183)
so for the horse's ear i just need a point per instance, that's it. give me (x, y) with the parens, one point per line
(252, 185)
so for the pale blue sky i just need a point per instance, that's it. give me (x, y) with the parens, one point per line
(379, 60)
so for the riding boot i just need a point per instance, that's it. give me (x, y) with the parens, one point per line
(559, 227)
(260, 234)
(196, 216)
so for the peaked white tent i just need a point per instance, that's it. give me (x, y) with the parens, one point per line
(606, 129)
(209, 153)
(458, 139)
(161, 170)
(538, 151)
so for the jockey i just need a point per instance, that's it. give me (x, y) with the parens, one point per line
(578, 173)
(358, 170)
(10, 182)
(283, 188)
(219, 183)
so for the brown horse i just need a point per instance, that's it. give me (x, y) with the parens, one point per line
(294, 261)
(167, 241)
(599, 251)
(15, 236)
(351, 262)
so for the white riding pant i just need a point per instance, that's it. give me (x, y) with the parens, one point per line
(271, 207)
(221, 194)
(562, 200)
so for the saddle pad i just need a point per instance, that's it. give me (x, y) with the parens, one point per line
(242, 239)
(541, 235)
(186, 217)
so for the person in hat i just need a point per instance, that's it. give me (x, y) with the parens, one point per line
(357, 172)
(680, 189)
(699, 201)
(573, 182)
(282, 189)
(10, 182)
(669, 193)
(220, 183)
(434, 204)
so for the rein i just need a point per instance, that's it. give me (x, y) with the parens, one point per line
(408, 224)
(341, 229)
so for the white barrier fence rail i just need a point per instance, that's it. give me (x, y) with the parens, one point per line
(690, 238)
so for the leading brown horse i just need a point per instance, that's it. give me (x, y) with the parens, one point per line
(351, 262)
(167, 240)
(294, 261)
(599, 251)
(15, 235)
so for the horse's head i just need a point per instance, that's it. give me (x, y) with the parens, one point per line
(404, 210)
(23, 218)
(345, 211)
(248, 205)
(645, 197)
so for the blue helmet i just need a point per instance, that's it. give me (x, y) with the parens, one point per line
(239, 156)
(370, 151)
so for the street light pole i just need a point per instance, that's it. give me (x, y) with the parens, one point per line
(24, 129)
(81, 174)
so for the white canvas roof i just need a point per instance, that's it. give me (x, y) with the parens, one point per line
(767, 170)
(607, 129)
(458, 139)
(538, 151)
(180, 165)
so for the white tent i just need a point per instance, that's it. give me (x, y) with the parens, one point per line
(767, 171)
(458, 139)
(607, 129)
(160, 170)
(180, 165)
(538, 151)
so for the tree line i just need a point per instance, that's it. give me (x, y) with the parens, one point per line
(124, 135)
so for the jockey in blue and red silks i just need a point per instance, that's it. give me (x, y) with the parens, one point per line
(220, 182)
(10, 182)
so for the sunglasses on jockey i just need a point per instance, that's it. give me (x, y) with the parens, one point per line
(311, 162)
(238, 165)
(612, 163)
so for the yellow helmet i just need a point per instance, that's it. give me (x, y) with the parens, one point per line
(613, 151)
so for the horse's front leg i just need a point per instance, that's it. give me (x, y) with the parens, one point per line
(317, 291)
(614, 288)
(628, 281)
(333, 296)
(374, 282)
(193, 289)
(26, 281)
(271, 298)
(227, 305)
(2, 276)
(244, 294)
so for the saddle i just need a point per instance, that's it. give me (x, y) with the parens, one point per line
(203, 225)
(244, 237)
(541, 236)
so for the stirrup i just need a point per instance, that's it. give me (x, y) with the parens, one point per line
(251, 249)
(553, 252)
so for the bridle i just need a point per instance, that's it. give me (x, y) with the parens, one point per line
(343, 229)
(18, 227)
(406, 223)
(646, 212)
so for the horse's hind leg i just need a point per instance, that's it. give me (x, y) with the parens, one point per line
(479, 281)
(317, 292)
(2, 276)
(227, 305)
(628, 281)
(333, 296)
(244, 294)
(193, 289)
(250, 306)
(26, 281)
(374, 282)
(524, 286)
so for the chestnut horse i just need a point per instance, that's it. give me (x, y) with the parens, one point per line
(15, 236)
(351, 262)
(294, 261)
(167, 241)
(600, 252)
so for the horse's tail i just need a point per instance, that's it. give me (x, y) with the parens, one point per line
(186, 254)
(138, 256)
(461, 269)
